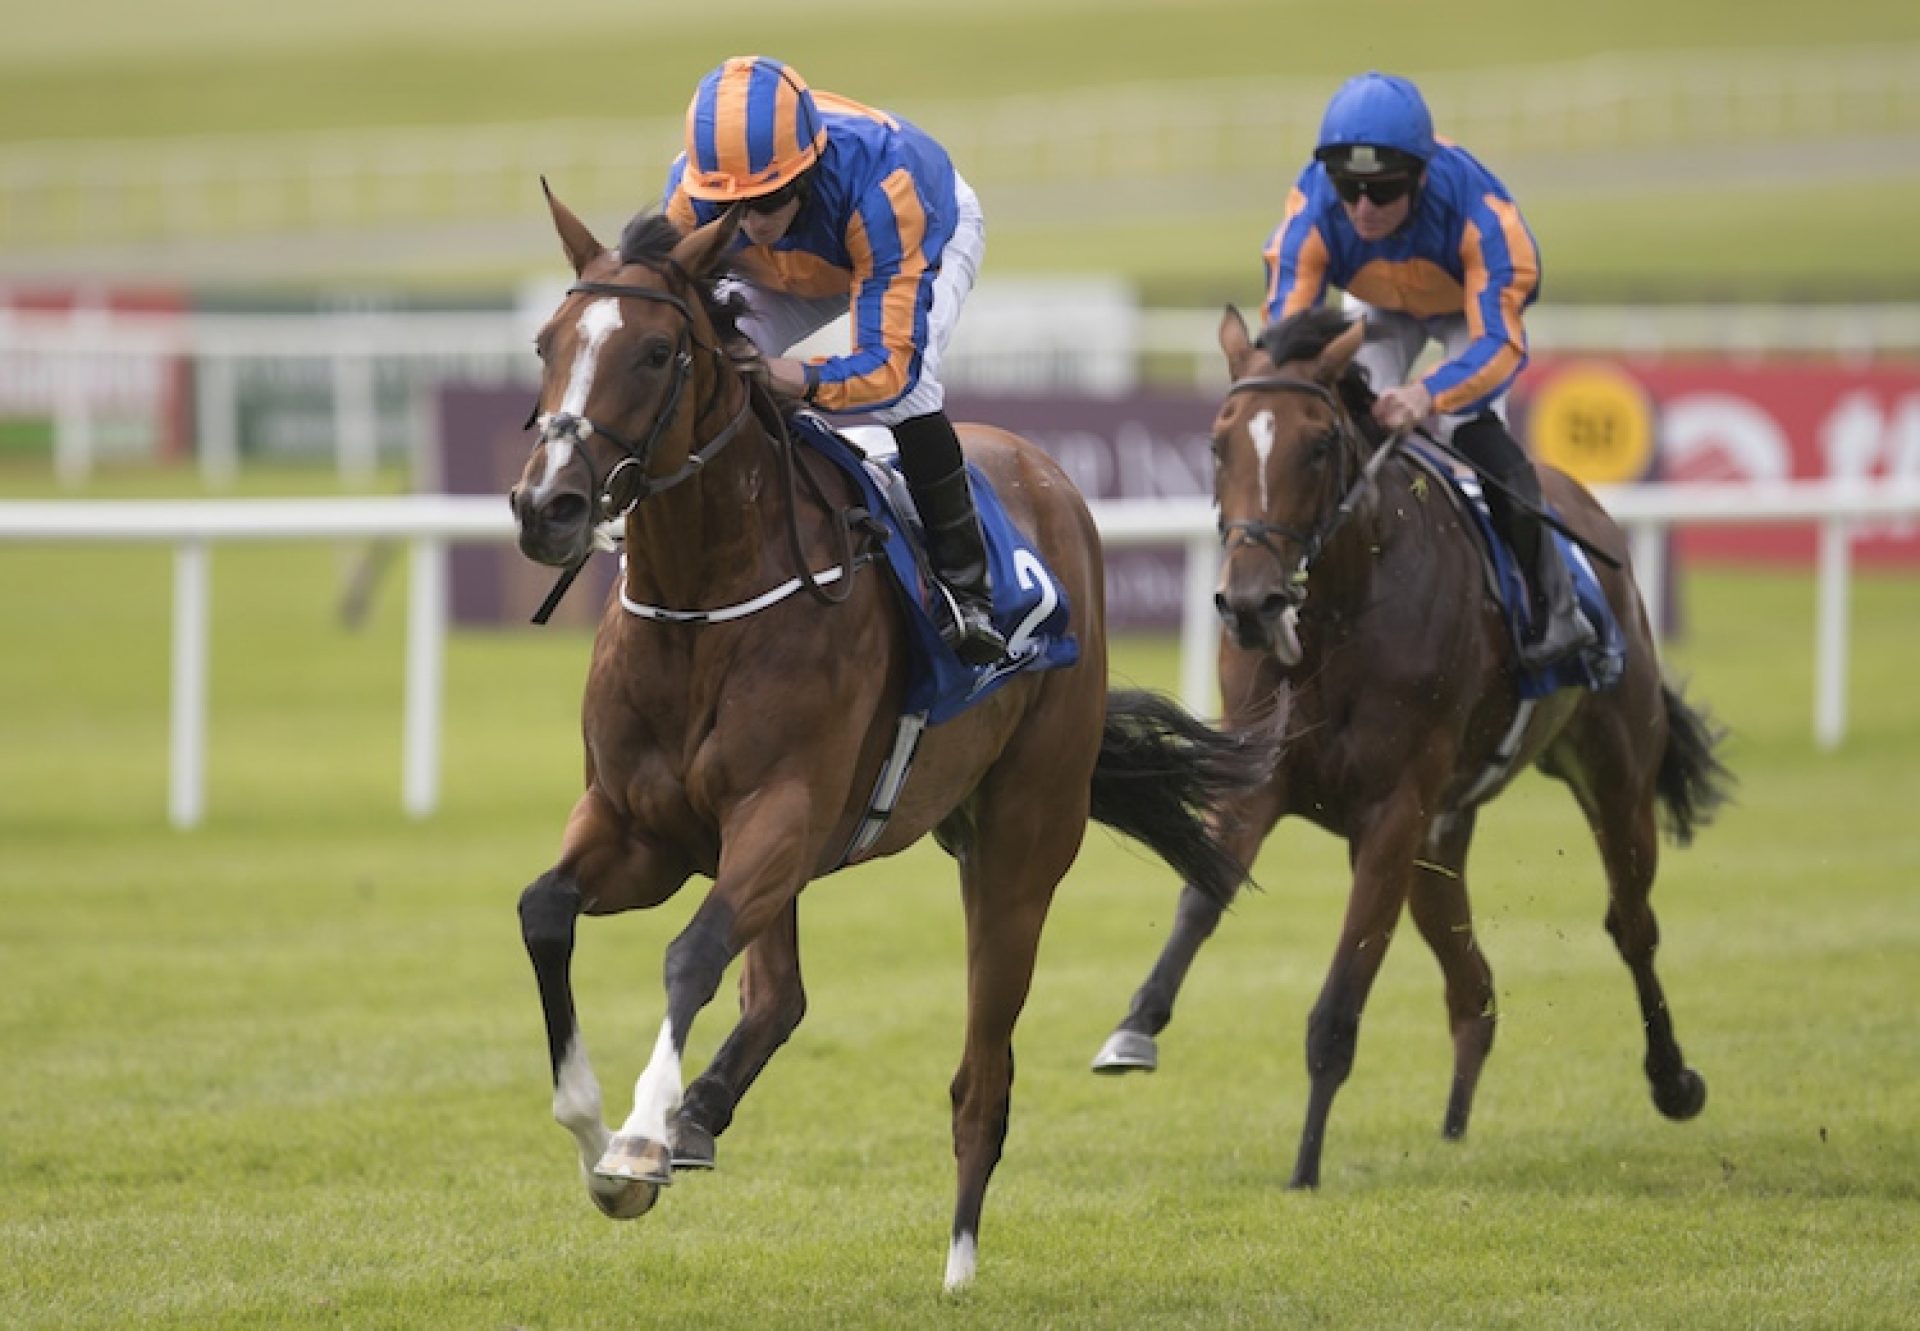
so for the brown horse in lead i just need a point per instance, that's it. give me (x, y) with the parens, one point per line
(738, 732)
(1358, 625)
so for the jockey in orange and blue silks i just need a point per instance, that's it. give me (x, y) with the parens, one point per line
(849, 210)
(1428, 245)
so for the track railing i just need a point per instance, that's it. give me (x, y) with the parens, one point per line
(429, 523)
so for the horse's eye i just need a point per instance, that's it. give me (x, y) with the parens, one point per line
(655, 355)
(1323, 446)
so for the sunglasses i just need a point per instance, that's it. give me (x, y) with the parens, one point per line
(1381, 190)
(774, 202)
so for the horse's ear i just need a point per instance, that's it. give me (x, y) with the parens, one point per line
(1235, 341)
(1339, 353)
(701, 252)
(579, 243)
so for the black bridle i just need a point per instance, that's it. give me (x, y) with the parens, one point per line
(555, 426)
(1311, 543)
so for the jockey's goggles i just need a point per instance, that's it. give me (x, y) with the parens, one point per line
(774, 202)
(1380, 190)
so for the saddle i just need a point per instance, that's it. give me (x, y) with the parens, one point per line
(1030, 608)
(1599, 667)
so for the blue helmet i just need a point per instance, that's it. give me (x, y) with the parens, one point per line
(1380, 111)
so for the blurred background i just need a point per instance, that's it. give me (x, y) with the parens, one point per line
(250, 250)
(265, 230)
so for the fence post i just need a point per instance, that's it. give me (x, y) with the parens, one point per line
(1199, 627)
(187, 744)
(1830, 630)
(426, 654)
(1647, 553)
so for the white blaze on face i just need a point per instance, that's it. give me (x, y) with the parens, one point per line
(597, 323)
(1261, 429)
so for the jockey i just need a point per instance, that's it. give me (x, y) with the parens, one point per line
(851, 210)
(1428, 246)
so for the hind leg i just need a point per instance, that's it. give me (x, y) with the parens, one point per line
(1383, 855)
(1629, 847)
(1438, 902)
(1621, 817)
(1131, 1047)
(1023, 842)
(772, 1002)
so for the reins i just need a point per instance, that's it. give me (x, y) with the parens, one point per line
(555, 426)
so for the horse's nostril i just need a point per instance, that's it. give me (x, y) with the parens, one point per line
(1274, 606)
(566, 510)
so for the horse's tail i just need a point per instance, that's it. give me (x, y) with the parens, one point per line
(1164, 778)
(1692, 782)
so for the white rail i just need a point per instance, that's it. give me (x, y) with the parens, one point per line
(430, 522)
(68, 362)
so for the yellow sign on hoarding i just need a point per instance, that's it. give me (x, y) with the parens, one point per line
(1595, 422)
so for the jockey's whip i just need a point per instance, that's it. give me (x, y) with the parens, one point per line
(1539, 511)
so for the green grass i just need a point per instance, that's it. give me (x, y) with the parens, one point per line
(107, 68)
(287, 1070)
(114, 68)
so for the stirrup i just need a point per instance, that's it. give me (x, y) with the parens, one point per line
(1561, 638)
(969, 631)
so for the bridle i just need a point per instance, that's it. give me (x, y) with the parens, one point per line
(556, 426)
(1313, 542)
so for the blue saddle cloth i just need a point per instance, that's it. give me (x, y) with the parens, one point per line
(1599, 667)
(1030, 608)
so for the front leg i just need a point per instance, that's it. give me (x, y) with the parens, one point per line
(767, 850)
(1384, 850)
(603, 870)
(772, 1002)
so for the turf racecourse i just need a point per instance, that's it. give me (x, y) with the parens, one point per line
(288, 1070)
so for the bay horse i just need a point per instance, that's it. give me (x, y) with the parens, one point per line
(1356, 622)
(737, 733)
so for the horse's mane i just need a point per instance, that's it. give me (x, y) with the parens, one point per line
(1302, 337)
(649, 239)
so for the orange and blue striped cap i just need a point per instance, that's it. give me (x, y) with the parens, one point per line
(751, 127)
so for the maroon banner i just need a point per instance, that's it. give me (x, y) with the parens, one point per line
(1144, 446)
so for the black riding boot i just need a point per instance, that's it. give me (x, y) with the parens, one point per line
(937, 475)
(1559, 629)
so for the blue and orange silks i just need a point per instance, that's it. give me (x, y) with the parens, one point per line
(881, 213)
(1465, 249)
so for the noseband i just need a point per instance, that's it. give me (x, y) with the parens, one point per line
(555, 426)
(1313, 542)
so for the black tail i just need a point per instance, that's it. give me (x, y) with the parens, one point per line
(1163, 778)
(1692, 783)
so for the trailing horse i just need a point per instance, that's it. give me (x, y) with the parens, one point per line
(738, 729)
(1357, 626)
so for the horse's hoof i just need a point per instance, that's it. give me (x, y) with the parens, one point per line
(636, 1160)
(622, 1199)
(1682, 1097)
(692, 1144)
(1126, 1051)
